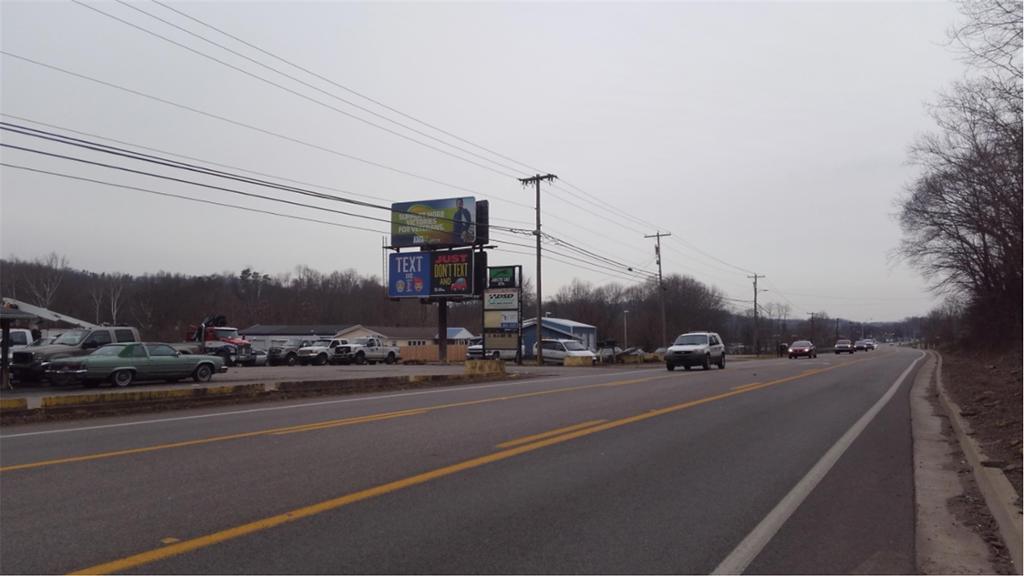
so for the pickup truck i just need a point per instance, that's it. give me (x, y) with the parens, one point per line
(285, 351)
(319, 353)
(365, 350)
(30, 363)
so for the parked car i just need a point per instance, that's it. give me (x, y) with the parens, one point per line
(259, 358)
(319, 352)
(28, 364)
(285, 351)
(696, 349)
(363, 351)
(557, 350)
(20, 338)
(844, 346)
(122, 364)
(802, 348)
(475, 351)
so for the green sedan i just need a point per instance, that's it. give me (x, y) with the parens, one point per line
(121, 364)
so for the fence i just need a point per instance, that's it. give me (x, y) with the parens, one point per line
(456, 353)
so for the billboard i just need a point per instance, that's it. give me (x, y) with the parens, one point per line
(451, 273)
(409, 275)
(445, 222)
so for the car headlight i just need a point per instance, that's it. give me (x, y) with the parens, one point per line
(791, 350)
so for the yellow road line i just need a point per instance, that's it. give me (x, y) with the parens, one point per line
(531, 438)
(179, 548)
(302, 427)
(350, 421)
(742, 386)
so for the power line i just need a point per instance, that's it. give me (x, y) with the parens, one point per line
(347, 89)
(211, 163)
(189, 198)
(289, 90)
(255, 128)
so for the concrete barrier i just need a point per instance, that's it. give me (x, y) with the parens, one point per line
(480, 367)
(578, 361)
(130, 401)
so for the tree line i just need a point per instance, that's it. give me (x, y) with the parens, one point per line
(961, 217)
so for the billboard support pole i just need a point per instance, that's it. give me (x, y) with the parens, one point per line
(442, 330)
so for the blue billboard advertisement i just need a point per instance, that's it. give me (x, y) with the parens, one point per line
(409, 275)
(444, 222)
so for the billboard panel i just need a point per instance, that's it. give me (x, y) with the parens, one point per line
(445, 222)
(501, 299)
(501, 321)
(501, 340)
(409, 275)
(451, 273)
(501, 277)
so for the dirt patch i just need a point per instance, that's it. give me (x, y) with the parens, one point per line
(988, 388)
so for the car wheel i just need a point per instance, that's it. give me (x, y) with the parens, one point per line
(320, 360)
(496, 355)
(122, 378)
(360, 358)
(203, 373)
(291, 360)
(390, 359)
(721, 362)
(707, 362)
(669, 366)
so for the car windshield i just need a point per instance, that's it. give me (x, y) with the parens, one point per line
(843, 342)
(573, 346)
(691, 340)
(801, 344)
(72, 338)
(225, 333)
(109, 350)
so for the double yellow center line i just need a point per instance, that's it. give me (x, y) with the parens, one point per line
(510, 449)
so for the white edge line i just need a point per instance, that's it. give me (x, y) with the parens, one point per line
(307, 405)
(740, 558)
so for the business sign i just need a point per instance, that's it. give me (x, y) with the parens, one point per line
(409, 275)
(501, 277)
(501, 321)
(446, 222)
(501, 299)
(451, 273)
(501, 341)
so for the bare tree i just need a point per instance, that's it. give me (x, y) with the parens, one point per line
(44, 283)
(990, 39)
(115, 294)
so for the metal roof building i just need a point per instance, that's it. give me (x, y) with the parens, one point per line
(560, 328)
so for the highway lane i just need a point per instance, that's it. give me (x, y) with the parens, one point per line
(624, 471)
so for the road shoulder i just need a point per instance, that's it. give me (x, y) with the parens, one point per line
(955, 533)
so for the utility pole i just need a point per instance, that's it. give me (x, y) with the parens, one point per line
(812, 315)
(755, 277)
(625, 330)
(661, 284)
(526, 181)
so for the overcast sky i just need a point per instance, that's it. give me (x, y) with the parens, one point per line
(771, 136)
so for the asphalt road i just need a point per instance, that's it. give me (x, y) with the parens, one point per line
(768, 466)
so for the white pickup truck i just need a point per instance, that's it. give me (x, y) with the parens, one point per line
(365, 350)
(319, 352)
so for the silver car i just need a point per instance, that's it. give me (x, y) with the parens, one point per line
(696, 349)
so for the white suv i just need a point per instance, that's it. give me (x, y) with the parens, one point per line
(696, 349)
(556, 351)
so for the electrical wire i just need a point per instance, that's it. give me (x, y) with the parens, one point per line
(189, 198)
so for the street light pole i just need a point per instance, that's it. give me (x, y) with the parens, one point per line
(625, 329)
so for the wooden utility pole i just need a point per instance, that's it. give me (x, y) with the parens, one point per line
(755, 277)
(661, 283)
(540, 331)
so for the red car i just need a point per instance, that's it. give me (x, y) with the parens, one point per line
(802, 348)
